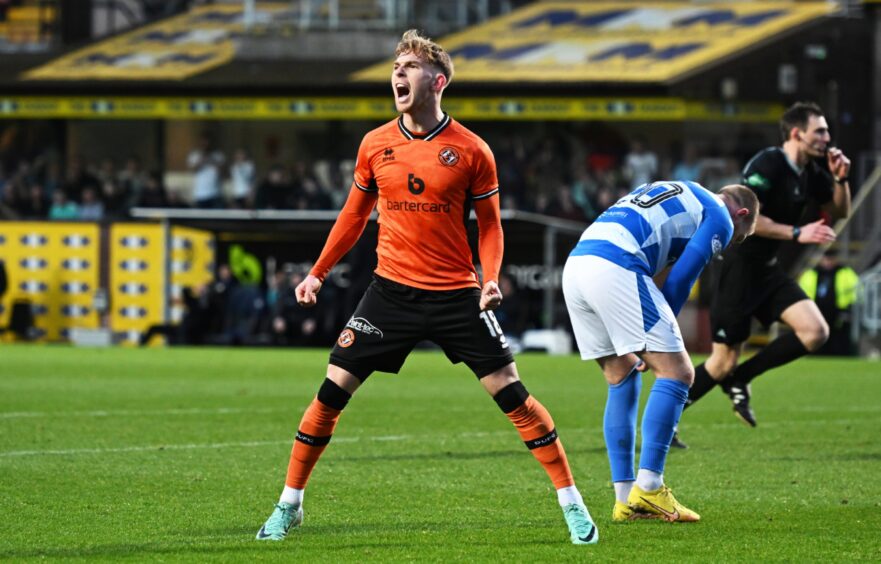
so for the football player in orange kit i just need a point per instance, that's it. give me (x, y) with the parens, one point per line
(422, 171)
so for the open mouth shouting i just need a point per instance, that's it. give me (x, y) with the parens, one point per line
(402, 92)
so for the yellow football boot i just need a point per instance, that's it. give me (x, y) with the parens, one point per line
(659, 503)
(622, 513)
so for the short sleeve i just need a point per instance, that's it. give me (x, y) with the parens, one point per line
(484, 177)
(758, 176)
(363, 170)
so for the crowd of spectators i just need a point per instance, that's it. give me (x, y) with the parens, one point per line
(555, 176)
(228, 312)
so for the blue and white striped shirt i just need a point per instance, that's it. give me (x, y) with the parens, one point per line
(660, 224)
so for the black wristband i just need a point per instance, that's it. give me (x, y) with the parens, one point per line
(796, 231)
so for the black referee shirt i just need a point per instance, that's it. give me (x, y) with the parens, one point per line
(783, 192)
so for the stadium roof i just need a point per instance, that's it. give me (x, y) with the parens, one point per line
(601, 43)
(615, 41)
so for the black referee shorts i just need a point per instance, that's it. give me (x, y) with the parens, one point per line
(743, 289)
(392, 318)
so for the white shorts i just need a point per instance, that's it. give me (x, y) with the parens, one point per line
(615, 311)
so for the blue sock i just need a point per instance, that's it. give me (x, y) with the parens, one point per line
(619, 426)
(661, 415)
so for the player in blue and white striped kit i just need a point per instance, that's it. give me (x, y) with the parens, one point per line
(626, 323)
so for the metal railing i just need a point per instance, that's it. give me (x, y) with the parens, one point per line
(434, 16)
(556, 234)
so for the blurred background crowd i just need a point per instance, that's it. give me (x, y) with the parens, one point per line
(554, 175)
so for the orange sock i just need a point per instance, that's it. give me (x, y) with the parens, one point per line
(537, 430)
(316, 429)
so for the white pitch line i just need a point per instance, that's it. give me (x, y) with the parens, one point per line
(193, 446)
(139, 412)
(251, 444)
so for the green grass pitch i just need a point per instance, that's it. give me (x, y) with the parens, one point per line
(179, 454)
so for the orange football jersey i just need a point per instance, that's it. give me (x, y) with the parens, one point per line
(425, 184)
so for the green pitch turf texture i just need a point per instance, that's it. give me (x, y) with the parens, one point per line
(179, 454)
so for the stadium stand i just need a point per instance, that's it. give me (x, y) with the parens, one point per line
(286, 89)
(26, 25)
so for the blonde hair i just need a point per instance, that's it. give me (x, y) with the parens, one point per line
(743, 197)
(424, 48)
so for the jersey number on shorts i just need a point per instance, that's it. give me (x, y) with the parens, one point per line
(493, 325)
(652, 194)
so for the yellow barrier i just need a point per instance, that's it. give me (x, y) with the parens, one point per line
(332, 108)
(56, 267)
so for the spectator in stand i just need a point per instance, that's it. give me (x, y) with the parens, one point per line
(63, 209)
(36, 206)
(53, 178)
(511, 163)
(176, 199)
(131, 180)
(106, 170)
(833, 286)
(206, 162)
(242, 174)
(514, 310)
(600, 161)
(541, 204)
(721, 172)
(193, 328)
(219, 294)
(91, 208)
(640, 164)
(76, 179)
(584, 188)
(291, 325)
(689, 168)
(9, 201)
(564, 206)
(153, 194)
(275, 192)
(116, 202)
(313, 197)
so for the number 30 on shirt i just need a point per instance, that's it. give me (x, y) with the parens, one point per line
(651, 194)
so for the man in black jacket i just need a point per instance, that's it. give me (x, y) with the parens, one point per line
(749, 282)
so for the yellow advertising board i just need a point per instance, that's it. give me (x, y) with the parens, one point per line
(54, 268)
(137, 278)
(627, 42)
(192, 264)
(382, 108)
(172, 49)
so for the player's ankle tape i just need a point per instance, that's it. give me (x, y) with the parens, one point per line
(331, 395)
(511, 397)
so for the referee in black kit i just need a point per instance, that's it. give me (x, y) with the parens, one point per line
(747, 279)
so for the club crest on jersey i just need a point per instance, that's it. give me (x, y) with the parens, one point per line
(448, 156)
(717, 244)
(346, 338)
(363, 326)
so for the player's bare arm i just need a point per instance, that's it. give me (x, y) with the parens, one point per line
(816, 232)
